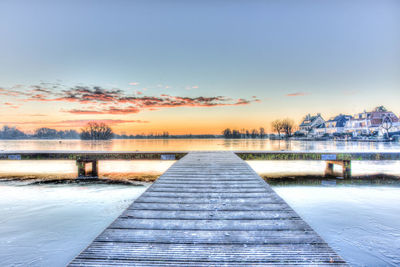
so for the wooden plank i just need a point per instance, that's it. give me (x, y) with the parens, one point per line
(208, 209)
(197, 200)
(206, 195)
(211, 215)
(176, 224)
(277, 253)
(209, 237)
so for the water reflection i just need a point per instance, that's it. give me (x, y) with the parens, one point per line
(273, 168)
(196, 144)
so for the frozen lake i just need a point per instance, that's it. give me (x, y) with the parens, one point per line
(47, 225)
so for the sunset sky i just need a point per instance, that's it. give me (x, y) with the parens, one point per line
(194, 66)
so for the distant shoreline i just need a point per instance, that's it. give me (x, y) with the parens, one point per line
(210, 138)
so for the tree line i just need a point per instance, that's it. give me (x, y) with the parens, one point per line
(101, 131)
(244, 133)
(92, 131)
(8, 132)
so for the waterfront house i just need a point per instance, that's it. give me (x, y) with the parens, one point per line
(318, 131)
(376, 122)
(337, 125)
(310, 123)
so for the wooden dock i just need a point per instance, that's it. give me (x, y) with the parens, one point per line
(208, 209)
(85, 158)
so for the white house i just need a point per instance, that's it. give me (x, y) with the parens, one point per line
(311, 123)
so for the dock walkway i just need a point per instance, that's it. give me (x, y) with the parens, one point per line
(209, 208)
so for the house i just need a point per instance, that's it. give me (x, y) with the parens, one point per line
(310, 122)
(337, 125)
(319, 131)
(377, 122)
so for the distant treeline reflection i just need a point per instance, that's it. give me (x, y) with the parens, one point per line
(13, 133)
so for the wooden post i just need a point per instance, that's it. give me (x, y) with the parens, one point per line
(329, 168)
(81, 163)
(346, 169)
(81, 168)
(95, 168)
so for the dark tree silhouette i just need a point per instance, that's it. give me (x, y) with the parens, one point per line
(277, 126)
(287, 126)
(96, 131)
(11, 133)
(243, 133)
(46, 133)
(262, 132)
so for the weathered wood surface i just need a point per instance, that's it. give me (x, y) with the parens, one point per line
(165, 155)
(208, 209)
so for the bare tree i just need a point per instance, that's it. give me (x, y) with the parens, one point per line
(254, 133)
(287, 126)
(277, 126)
(227, 133)
(262, 132)
(96, 131)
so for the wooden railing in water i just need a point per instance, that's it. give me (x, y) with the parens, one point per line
(85, 158)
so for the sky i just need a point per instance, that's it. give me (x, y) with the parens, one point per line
(187, 66)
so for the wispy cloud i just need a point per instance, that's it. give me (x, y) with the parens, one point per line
(72, 123)
(10, 105)
(191, 87)
(109, 122)
(298, 94)
(108, 110)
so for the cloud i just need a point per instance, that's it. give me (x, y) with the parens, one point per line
(99, 100)
(11, 92)
(134, 83)
(298, 94)
(10, 105)
(191, 87)
(110, 110)
(73, 123)
(106, 121)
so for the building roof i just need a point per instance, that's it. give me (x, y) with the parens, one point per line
(377, 116)
(340, 120)
(309, 120)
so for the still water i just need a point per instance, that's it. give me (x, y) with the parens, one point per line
(196, 144)
(271, 168)
(47, 225)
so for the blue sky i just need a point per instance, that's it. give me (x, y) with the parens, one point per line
(330, 56)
